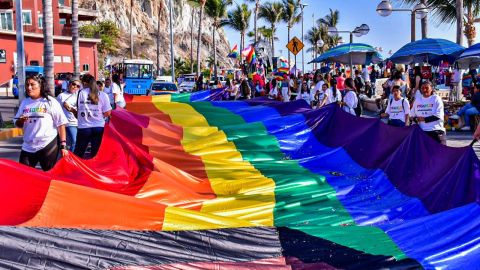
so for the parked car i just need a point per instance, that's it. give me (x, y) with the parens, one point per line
(187, 84)
(162, 88)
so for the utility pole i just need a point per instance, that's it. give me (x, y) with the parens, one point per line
(20, 68)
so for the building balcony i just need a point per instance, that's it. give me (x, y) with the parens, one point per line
(84, 14)
(6, 4)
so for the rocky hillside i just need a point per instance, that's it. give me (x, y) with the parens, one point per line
(145, 27)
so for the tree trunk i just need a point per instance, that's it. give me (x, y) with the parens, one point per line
(158, 38)
(131, 29)
(273, 40)
(214, 54)
(191, 40)
(199, 41)
(48, 54)
(257, 5)
(425, 23)
(75, 40)
(459, 5)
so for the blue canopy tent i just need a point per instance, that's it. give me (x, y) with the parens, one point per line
(470, 58)
(352, 54)
(427, 50)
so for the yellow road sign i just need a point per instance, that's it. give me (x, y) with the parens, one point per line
(295, 45)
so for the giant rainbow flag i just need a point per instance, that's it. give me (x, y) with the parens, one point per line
(186, 182)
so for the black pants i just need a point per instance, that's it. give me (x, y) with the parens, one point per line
(88, 135)
(438, 135)
(47, 156)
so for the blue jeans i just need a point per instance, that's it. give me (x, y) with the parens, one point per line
(467, 111)
(88, 135)
(71, 137)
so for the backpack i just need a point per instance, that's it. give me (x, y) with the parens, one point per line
(403, 103)
(359, 109)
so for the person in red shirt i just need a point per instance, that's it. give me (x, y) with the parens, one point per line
(341, 81)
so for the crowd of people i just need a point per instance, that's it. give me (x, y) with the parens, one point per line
(77, 117)
(72, 121)
(403, 101)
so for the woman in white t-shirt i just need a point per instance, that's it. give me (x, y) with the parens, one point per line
(398, 108)
(68, 101)
(332, 94)
(117, 90)
(428, 111)
(93, 107)
(43, 121)
(350, 100)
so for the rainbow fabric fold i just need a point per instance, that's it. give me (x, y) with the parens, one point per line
(185, 182)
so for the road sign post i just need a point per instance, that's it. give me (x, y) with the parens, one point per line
(295, 45)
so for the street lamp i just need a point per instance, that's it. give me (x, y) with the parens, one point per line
(358, 31)
(319, 44)
(420, 11)
(302, 6)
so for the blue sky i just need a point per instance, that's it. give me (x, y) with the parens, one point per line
(390, 32)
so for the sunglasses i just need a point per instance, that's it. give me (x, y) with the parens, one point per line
(76, 85)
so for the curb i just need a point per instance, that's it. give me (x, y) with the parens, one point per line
(10, 133)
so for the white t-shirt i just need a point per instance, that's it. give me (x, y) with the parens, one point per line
(45, 116)
(305, 96)
(431, 106)
(457, 76)
(365, 74)
(331, 98)
(351, 102)
(91, 115)
(71, 100)
(418, 94)
(119, 91)
(318, 86)
(397, 109)
(273, 93)
(109, 92)
(285, 95)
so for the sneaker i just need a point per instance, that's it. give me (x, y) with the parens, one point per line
(465, 128)
(455, 117)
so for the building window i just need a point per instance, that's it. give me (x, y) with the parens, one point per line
(86, 67)
(40, 21)
(6, 20)
(61, 3)
(27, 17)
(63, 21)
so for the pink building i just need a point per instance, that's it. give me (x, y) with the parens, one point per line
(33, 19)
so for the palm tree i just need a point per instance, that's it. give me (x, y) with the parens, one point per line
(48, 54)
(194, 4)
(217, 10)
(445, 11)
(239, 19)
(291, 15)
(199, 37)
(131, 29)
(75, 40)
(272, 13)
(255, 17)
(330, 20)
(313, 36)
